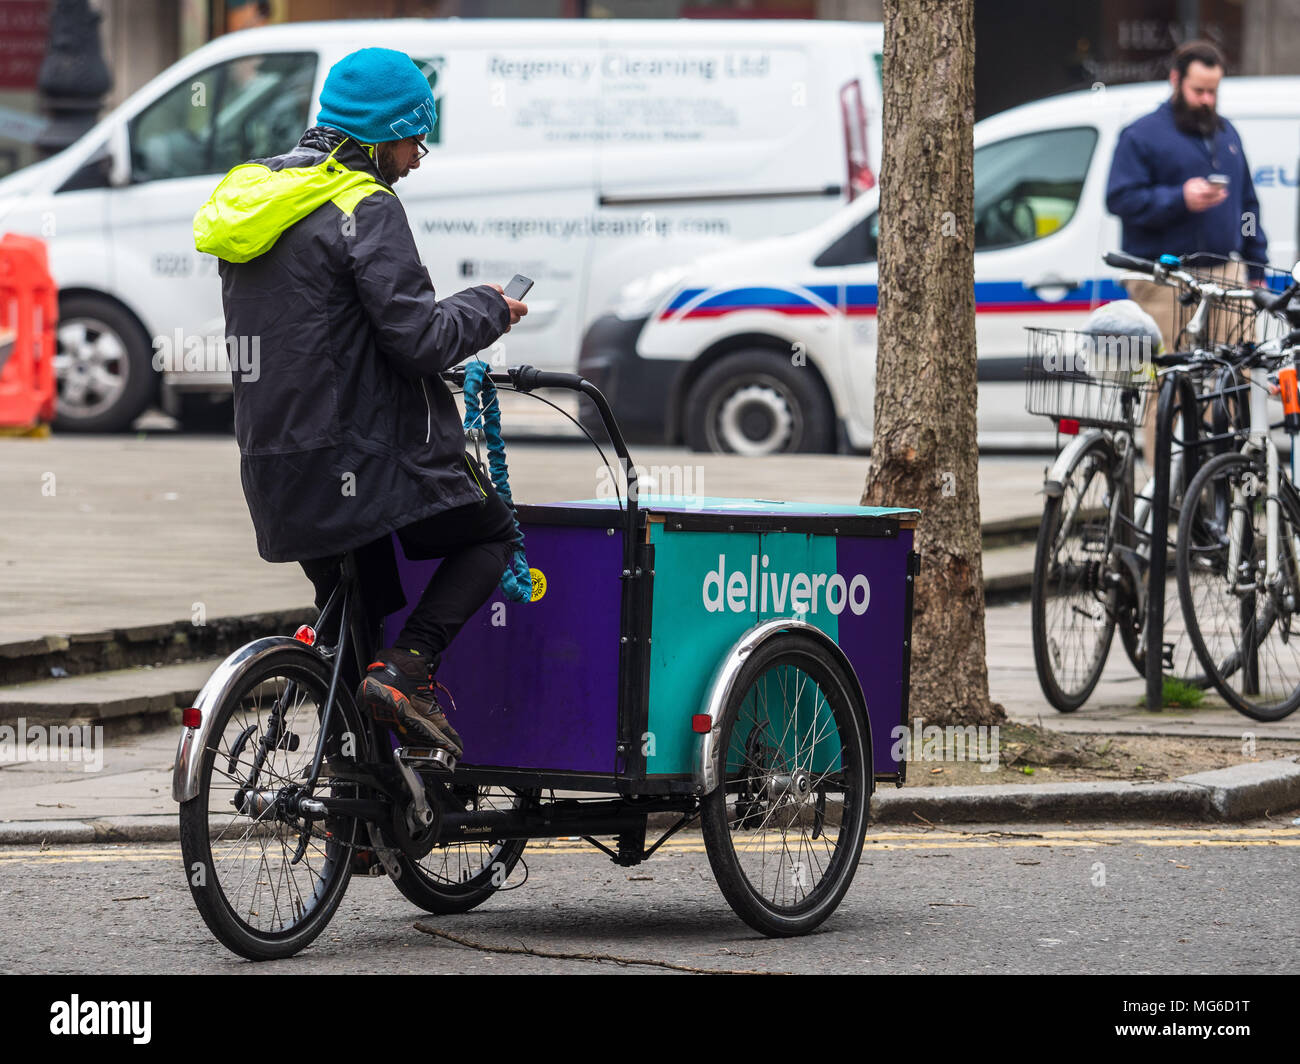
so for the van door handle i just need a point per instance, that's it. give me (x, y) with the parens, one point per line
(1053, 282)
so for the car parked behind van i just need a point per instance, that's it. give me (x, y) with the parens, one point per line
(771, 346)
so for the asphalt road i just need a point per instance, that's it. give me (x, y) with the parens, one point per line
(1041, 899)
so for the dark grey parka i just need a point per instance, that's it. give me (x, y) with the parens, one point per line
(345, 430)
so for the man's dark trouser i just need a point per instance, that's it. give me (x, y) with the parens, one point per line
(475, 544)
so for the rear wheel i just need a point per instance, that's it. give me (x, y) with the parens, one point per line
(266, 878)
(784, 827)
(756, 403)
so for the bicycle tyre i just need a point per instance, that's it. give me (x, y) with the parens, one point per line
(237, 924)
(1220, 645)
(444, 892)
(730, 841)
(1075, 580)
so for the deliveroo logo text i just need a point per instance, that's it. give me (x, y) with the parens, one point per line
(753, 589)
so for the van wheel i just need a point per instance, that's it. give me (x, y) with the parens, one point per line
(103, 365)
(205, 412)
(755, 403)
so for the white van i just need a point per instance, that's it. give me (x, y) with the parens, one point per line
(770, 346)
(579, 152)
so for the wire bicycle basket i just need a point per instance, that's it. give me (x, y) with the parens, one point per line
(1093, 379)
(1226, 321)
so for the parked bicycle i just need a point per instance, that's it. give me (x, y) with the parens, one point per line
(1094, 542)
(1238, 553)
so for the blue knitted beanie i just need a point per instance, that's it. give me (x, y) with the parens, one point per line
(377, 95)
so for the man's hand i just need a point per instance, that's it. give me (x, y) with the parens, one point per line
(517, 309)
(1200, 195)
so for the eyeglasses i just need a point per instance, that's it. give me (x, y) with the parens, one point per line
(420, 147)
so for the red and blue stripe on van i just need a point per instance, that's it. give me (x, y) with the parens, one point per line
(991, 297)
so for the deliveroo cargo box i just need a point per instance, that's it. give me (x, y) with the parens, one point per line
(593, 684)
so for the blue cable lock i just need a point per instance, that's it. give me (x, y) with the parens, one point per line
(516, 581)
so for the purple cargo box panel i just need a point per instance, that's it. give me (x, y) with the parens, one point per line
(536, 683)
(873, 641)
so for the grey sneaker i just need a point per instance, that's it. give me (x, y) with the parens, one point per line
(398, 691)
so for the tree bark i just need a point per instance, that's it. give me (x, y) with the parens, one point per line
(924, 452)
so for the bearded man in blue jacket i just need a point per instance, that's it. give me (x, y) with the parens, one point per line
(1159, 187)
(1159, 183)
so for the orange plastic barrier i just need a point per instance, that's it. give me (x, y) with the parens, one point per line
(29, 308)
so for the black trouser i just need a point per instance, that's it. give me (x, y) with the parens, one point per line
(475, 544)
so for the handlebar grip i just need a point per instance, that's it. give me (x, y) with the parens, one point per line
(1274, 305)
(1122, 261)
(1262, 298)
(526, 378)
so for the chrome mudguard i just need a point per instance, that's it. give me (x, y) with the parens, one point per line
(707, 771)
(1054, 484)
(185, 773)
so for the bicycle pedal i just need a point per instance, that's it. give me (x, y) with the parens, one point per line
(428, 757)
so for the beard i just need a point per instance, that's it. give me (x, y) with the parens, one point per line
(385, 162)
(1199, 121)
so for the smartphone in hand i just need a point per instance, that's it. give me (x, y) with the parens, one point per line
(518, 287)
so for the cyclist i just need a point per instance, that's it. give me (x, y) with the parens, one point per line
(346, 432)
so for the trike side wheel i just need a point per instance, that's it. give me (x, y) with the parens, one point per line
(454, 877)
(784, 827)
(266, 880)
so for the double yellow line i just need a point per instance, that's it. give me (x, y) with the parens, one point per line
(927, 839)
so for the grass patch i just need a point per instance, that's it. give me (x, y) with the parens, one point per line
(1178, 693)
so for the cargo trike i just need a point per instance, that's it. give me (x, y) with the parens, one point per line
(743, 663)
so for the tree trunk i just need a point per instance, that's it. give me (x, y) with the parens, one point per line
(924, 452)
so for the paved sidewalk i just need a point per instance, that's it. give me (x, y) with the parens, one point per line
(109, 532)
(138, 531)
(1113, 708)
(135, 781)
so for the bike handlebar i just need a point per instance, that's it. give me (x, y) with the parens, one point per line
(1121, 261)
(528, 378)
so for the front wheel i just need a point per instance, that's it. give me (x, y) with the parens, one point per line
(1244, 625)
(758, 403)
(1073, 599)
(103, 366)
(784, 827)
(265, 878)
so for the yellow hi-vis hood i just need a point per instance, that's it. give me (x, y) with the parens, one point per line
(253, 205)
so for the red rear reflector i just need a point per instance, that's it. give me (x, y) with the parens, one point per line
(701, 723)
(1068, 426)
(306, 634)
(191, 717)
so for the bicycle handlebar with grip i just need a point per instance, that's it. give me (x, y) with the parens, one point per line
(1262, 298)
(1122, 261)
(1282, 300)
(526, 378)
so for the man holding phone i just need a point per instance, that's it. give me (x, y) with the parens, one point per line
(1180, 184)
(348, 434)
